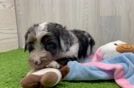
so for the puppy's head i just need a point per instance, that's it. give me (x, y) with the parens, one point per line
(42, 40)
(43, 37)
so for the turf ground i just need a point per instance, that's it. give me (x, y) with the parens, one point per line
(14, 66)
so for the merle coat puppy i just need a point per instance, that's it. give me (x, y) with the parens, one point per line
(63, 45)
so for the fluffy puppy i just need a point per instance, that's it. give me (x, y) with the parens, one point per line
(63, 45)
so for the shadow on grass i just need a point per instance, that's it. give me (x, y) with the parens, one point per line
(87, 84)
(92, 81)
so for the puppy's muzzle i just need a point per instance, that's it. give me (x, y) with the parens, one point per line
(39, 59)
(42, 59)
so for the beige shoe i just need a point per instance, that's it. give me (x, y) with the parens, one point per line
(125, 48)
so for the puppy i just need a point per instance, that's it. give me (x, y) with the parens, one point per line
(55, 41)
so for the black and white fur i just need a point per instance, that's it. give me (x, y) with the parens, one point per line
(63, 44)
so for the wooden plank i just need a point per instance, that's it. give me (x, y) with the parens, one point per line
(7, 35)
(131, 23)
(109, 28)
(8, 29)
(8, 44)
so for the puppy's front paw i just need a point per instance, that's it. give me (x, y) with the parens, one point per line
(53, 64)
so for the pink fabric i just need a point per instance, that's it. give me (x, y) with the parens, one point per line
(118, 72)
(98, 56)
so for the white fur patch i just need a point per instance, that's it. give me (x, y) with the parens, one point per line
(63, 45)
(43, 26)
(41, 31)
(73, 51)
(53, 64)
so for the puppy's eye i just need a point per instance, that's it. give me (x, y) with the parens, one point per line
(50, 46)
(46, 38)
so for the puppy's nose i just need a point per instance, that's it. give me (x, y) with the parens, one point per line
(37, 62)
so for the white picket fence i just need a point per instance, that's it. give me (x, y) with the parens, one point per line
(105, 20)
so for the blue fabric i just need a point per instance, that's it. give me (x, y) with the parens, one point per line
(80, 72)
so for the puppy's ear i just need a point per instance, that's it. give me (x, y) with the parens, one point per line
(25, 47)
(29, 35)
(26, 37)
(92, 43)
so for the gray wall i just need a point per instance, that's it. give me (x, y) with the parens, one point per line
(8, 30)
(106, 20)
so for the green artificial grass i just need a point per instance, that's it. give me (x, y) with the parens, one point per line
(14, 66)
